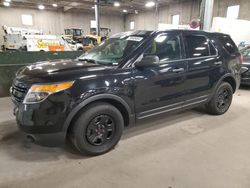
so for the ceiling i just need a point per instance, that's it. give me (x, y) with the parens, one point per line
(132, 6)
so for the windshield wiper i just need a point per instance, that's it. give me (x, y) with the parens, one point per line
(89, 60)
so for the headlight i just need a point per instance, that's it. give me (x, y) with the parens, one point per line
(40, 92)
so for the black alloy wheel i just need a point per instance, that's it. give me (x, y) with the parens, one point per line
(97, 129)
(222, 99)
(100, 130)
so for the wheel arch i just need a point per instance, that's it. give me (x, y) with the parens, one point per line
(229, 78)
(114, 100)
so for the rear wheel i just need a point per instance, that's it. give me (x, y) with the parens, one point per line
(97, 129)
(221, 100)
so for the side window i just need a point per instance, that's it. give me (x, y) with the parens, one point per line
(196, 46)
(166, 47)
(213, 51)
(229, 44)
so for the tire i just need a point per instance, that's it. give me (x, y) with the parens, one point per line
(221, 101)
(97, 129)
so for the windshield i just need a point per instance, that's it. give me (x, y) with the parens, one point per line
(113, 50)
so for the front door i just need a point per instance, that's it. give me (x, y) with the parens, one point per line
(161, 88)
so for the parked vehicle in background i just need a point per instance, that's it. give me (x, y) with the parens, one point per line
(130, 77)
(46, 43)
(21, 39)
(14, 38)
(88, 41)
(74, 33)
(73, 44)
(245, 76)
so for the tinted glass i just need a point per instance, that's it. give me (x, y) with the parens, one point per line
(113, 50)
(166, 47)
(212, 50)
(228, 44)
(196, 46)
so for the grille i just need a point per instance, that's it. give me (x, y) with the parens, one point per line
(19, 91)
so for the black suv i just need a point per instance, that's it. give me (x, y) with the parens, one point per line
(129, 77)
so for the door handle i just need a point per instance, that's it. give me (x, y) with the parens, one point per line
(178, 70)
(218, 63)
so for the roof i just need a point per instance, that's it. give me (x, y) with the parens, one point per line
(144, 33)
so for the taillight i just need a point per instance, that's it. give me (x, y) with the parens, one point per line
(241, 58)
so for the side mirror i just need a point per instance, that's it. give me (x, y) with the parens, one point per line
(148, 61)
(243, 70)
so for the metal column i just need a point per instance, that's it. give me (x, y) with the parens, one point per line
(207, 14)
(97, 16)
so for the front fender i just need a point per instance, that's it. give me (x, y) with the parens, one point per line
(89, 100)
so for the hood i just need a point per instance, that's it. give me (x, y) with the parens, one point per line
(57, 70)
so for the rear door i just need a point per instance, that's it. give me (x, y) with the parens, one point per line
(202, 58)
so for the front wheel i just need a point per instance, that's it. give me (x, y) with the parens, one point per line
(97, 129)
(221, 100)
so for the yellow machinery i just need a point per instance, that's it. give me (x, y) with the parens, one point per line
(88, 41)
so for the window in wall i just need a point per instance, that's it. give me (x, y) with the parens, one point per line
(196, 46)
(93, 24)
(176, 19)
(132, 25)
(27, 19)
(166, 47)
(233, 11)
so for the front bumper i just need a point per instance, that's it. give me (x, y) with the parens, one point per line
(44, 121)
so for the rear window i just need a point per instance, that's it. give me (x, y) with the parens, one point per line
(197, 46)
(228, 44)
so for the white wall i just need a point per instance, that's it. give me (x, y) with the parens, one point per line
(238, 29)
(220, 8)
(187, 10)
(149, 20)
(54, 22)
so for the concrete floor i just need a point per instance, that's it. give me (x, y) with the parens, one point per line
(187, 150)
